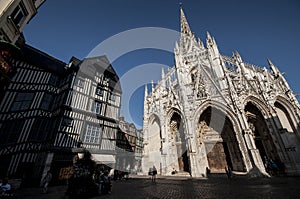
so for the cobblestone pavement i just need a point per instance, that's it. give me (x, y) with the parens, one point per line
(176, 187)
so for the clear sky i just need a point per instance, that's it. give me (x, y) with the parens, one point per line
(257, 29)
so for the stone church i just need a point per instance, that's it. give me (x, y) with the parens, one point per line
(215, 111)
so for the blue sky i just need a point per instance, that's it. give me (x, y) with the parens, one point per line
(257, 29)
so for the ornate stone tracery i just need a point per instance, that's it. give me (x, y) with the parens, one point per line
(221, 111)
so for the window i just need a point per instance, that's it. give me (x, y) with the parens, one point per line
(41, 129)
(3, 36)
(92, 134)
(99, 91)
(106, 79)
(53, 80)
(79, 83)
(112, 97)
(46, 103)
(11, 131)
(97, 107)
(22, 101)
(19, 14)
(67, 122)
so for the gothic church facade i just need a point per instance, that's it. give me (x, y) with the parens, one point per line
(214, 111)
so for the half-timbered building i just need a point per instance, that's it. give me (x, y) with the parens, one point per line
(51, 110)
(30, 112)
(90, 118)
(126, 146)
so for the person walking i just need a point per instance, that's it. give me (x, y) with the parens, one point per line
(45, 182)
(154, 172)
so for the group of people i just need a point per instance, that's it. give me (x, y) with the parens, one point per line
(86, 181)
(153, 172)
(274, 167)
(120, 175)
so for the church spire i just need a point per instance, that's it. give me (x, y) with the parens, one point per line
(185, 28)
(273, 68)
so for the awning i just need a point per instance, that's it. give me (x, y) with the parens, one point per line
(104, 159)
(101, 158)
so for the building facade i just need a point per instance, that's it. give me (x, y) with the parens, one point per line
(139, 151)
(31, 104)
(51, 110)
(214, 111)
(14, 15)
(126, 146)
(91, 112)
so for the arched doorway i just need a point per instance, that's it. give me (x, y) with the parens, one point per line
(220, 142)
(288, 135)
(152, 145)
(284, 118)
(177, 137)
(261, 134)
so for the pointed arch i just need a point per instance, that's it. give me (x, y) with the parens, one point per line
(288, 108)
(221, 107)
(260, 123)
(227, 150)
(154, 120)
(259, 104)
(176, 128)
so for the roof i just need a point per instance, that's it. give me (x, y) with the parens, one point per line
(100, 64)
(42, 60)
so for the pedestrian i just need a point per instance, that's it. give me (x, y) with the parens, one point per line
(5, 187)
(154, 172)
(45, 181)
(227, 172)
(230, 172)
(82, 183)
(174, 171)
(106, 183)
(207, 171)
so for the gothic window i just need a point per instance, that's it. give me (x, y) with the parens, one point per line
(19, 14)
(22, 101)
(173, 130)
(201, 88)
(92, 134)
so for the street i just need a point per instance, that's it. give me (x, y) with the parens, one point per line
(182, 187)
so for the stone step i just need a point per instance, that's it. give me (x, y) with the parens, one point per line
(182, 174)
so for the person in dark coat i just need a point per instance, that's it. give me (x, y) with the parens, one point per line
(82, 184)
